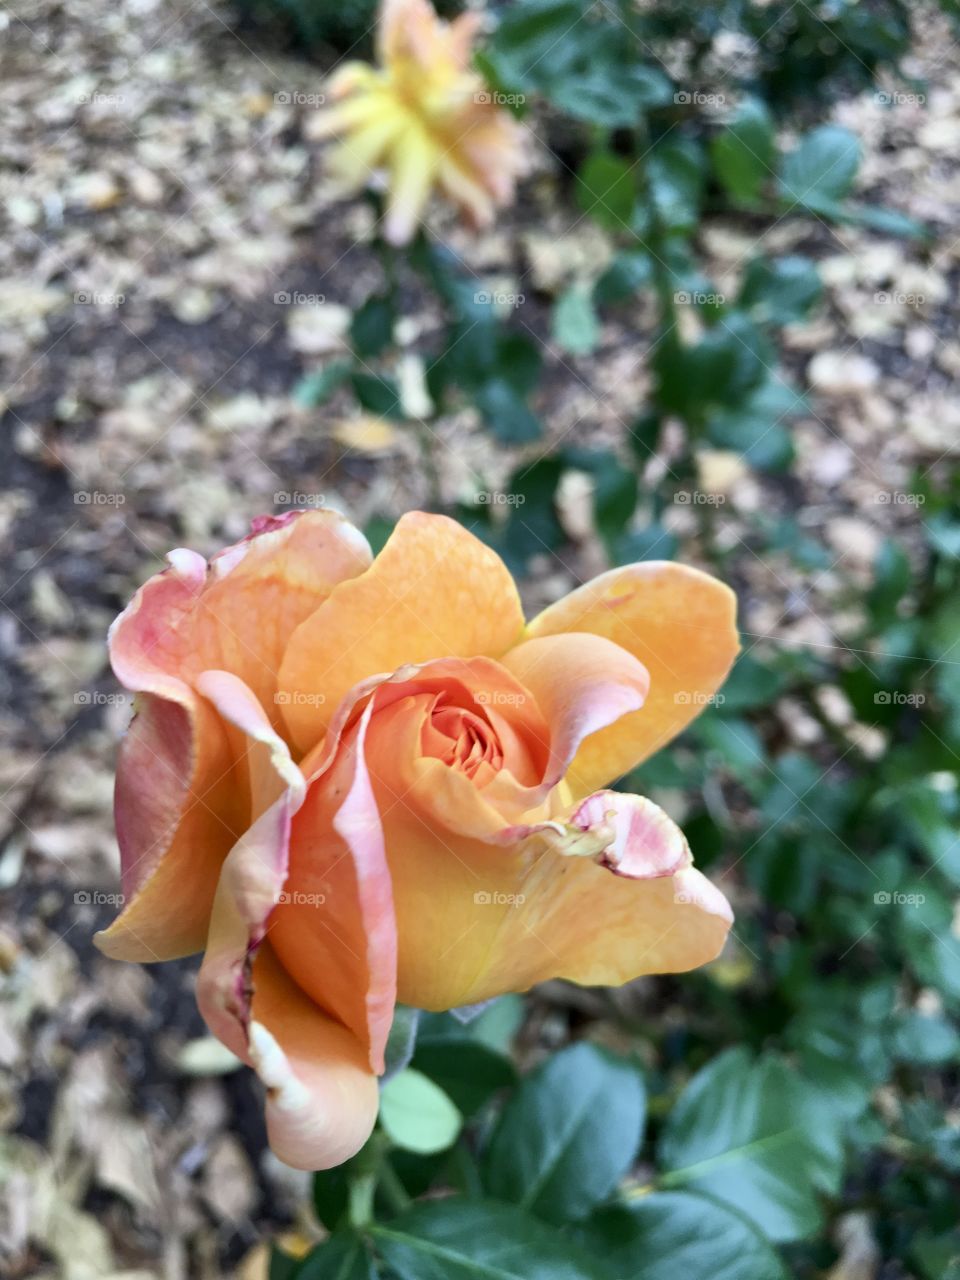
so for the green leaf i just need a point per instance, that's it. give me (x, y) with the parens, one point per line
(750, 684)
(402, 1039)
(755, 1136)
(474, 1240)
(736, 742)
(575, 326)
(615, 490)
(891, 582)
(568, 1134)
(591, 70)
(468, 1071)
(615, 493)
(675, 176)
(757, 428)
(317, 388)
(331, 1194)
(779, 291)
(417, 1115)
(282, 1266)
(372, 326)
(822, 168)
(744, 154)
(628, 271)
(653, 542)
(887, 221)
(344, 1256)
(506, 413)
(378, 395)
(606, 189)
(925, 1040)
(501, 1019)
(672, 1234)
(376, 531)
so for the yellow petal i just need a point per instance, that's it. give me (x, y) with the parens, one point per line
(434, 591)
(680, 623)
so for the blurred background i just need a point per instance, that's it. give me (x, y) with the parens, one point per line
(718, 324)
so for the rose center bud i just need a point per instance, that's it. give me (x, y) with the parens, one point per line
(463, 739)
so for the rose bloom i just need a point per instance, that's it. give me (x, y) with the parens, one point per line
(352, 782)
(426, 118)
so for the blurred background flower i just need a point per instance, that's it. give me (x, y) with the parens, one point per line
(423, 120)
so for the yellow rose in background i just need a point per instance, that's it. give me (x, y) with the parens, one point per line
(353, 781)
(426, 119)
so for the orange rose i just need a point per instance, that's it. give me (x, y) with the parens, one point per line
(351, 783)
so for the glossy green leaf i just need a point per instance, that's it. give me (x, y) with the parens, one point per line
(345, 1256)
(468, 1071)
(675, 177)
(417, 1114)
(744, 154)
(506, 412)
(474, 1240)
(822, 167)
(779, 291)
(926, 1040)
(316, 388)
(575, 326)
(568, 1134)
(607, 188)
(672, 1234)
(751, 1134)
(378, 395)
(628, 271)
(372, 326)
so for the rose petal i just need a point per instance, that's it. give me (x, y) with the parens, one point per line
(582, 684)
(322, 1097)
(178, 812)
(254, 872)
(179, 808)
(680, 624)
(335, 929)
(590, 899)
(259, 591)
(434, 591)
